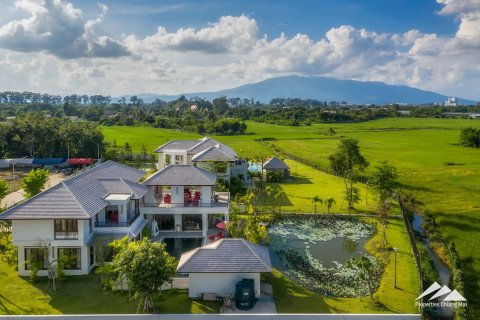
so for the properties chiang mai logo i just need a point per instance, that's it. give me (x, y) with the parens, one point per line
(450, 298)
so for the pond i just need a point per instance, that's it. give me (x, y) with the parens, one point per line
(312, 250)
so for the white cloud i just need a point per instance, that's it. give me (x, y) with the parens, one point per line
(57, 27)
(230, 52)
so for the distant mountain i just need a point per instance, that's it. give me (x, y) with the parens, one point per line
(320, 88)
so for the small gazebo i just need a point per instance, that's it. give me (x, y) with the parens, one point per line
(276, 169)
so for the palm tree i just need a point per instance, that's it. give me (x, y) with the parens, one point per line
(316, 200)
(330, 202)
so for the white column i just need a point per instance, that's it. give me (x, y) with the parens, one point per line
(204, 224)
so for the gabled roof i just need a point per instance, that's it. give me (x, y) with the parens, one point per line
(275, 164)
(177, 145)
(120, 186)
(195, 147)
(227, 256)
(181, 175)
(81, 196)
(213, 154)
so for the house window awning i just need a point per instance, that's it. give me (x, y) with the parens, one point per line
(80, 161)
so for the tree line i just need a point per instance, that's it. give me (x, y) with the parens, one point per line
(35, 135)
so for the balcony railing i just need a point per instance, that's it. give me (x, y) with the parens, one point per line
(219, 199)
(109, 224)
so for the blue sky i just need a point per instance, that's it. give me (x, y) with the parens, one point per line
(121, 47)
(313, 17)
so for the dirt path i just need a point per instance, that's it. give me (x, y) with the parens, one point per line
(17, 196)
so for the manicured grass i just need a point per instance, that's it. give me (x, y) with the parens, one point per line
(83, 295)
(308, 182)
(290, 298)
(419, 148)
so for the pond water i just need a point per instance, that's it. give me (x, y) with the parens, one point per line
(313, 252)
(327, 252)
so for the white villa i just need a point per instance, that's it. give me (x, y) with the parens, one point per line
(108, 202)
(205, 153)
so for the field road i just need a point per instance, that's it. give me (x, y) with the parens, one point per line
(17, 196)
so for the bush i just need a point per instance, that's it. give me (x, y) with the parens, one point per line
(470, 137)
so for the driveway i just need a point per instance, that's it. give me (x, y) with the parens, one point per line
(17, 196)
(266, 304)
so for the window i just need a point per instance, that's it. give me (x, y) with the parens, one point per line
(165, 221)
(178, 159)
(38, 256)
(66, 229)
(71, 258)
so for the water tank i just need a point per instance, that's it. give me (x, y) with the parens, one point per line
(245, 294)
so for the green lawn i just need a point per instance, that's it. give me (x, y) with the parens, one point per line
(419, 148)
(291, 298)
(308, 182)
(81, 295)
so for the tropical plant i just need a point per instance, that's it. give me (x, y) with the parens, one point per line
(146, 266)
(382, 213)
(367, 271)
(3, 189)
(34, 182)
(383, 180)
(315, 200)
(330, 202)
(348, 163)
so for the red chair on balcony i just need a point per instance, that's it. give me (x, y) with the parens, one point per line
(197, 194)
(195, 201)
(114, 216)
(167, 199)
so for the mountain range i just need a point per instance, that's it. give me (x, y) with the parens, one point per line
(319, 88)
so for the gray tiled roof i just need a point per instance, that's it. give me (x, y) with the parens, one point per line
(196, 147)
(177, 145)
(120, 186)
(181, 175)
(213, 154)
(80, 196)
(275, 164)
(226, 255)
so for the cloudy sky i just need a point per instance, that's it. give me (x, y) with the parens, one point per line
(137, 46)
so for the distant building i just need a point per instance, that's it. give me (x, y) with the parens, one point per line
(403, 112)
(450, 102)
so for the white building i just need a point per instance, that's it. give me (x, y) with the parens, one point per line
(80, 216)
(450, 102)
(183, 202)
(218, 266)
(67, 219)
(205, 153)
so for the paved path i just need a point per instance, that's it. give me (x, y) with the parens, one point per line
(17, 196)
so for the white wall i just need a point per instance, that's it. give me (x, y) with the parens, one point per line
(53, 254)
(29, 232)
(221, 283)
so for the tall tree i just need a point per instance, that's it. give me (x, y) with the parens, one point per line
(146, 266)
(34, 182)
(383, 180)
(348, 163)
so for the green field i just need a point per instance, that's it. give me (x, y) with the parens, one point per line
(419, 148)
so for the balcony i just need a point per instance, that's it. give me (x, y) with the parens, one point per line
(219, 203)
(115, 223)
